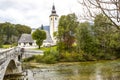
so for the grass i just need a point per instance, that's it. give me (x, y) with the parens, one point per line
(47, 48)
(7, 46)
(49, 57)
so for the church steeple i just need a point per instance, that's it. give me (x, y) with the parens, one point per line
(53, 12)
(53, 23)
(53, 9)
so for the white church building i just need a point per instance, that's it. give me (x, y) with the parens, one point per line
(50, 30)
(53, 23)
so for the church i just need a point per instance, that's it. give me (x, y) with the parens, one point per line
(52, 28)
(26, 41)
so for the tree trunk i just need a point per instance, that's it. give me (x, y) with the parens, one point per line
(39, 46)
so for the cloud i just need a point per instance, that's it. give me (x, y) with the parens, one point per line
(34, 12)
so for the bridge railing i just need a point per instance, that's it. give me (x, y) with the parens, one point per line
(5, 56)
(8, 54)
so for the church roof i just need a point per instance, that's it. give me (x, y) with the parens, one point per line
(47, 28)
(48, 38)
(25, 38)
(53, 12)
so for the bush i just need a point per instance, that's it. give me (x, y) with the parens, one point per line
(29, 59)
(66, 57)
(49, 59)
(71, 57)
(89, 57)
(51, 56)
(39, 58)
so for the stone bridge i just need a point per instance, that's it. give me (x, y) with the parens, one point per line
(10, 62)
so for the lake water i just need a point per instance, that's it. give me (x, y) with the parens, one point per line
(101, 70)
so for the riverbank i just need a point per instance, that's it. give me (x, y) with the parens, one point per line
(53, 55)
(90, 70)
(38, 65)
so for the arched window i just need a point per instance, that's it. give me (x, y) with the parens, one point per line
(55, 18)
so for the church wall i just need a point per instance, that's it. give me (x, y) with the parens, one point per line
(53, 26)
(27, 44)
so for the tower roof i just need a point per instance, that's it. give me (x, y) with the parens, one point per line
(53, 12)
(53, 9)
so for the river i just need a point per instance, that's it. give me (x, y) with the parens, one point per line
(98, 70)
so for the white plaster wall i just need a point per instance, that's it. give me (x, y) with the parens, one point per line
(53, 26)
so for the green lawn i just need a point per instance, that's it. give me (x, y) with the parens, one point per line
(7, 46)
(47, 48)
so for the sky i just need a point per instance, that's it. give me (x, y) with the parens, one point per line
(34, 13)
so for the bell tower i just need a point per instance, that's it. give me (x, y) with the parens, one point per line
(53, 23)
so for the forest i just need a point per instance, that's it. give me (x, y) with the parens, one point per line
(10, 33)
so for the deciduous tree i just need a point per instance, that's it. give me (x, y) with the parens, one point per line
(106, 34)
(22, 29)
(39, 36)
(84, 39)
(66, 30)
(110, 8)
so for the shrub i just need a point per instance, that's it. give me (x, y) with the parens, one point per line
(29, 59)
(50, 56)
(71, 57)
(49, 59)
(39, 58)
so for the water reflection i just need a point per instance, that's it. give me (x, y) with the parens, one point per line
(13, 77)
(89, 71)
(106, 70)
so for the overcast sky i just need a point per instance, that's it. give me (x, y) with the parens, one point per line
(35, 12)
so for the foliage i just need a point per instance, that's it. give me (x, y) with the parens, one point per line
(7, 46)
(51, 56)
(71, 57)
(91, 42)
(39, 36)
(93, 7)
(22, 29)
(1, 44)
(84, 39)
(10, 33)
(42, 28)
(106, 35)
(47, 48)
(32, 58)
(66, 31)
(49, 59)
(1, 40)
(98, 41)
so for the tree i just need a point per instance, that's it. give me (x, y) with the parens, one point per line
(66, 31)
(1, 35)
(110, 8)
(42, 28)
(106, 35)
(22, 29)
(99, 41)
(1, 41)
(39, 36)
(84, 39)
(8, 31)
